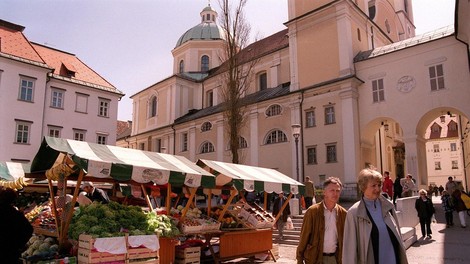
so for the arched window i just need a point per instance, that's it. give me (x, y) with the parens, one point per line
(206, 126)
(181, 70)
(276, 136)
(274, 110)
(242, 143)
(206, 147)
(153, 106)
(204, 63)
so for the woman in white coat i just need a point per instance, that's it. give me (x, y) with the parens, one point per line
(371, 232)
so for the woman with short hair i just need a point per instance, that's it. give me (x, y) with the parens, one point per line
(371, 232)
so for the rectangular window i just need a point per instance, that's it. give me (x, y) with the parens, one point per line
(310, 118)
(436, 77)
(378, 92)
(101, 139)
(184, 142)
(331, 153)
(23, 131)
(210, 98)
(26, 89)
(57, 98)
(79, 134)
(455, 165)
(453, 146)
(436, 148)
(437, 165)
(54, 131)
(329, 115)
(263, 81)
(158, 145)
(312, 155)
(103, 107)
(81, 104)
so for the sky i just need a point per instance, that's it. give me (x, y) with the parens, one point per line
(129, 42)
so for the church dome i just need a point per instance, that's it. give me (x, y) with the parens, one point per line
(206, 30)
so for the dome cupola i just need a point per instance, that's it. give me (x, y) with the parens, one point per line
(206, 30)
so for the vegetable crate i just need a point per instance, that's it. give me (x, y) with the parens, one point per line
(190, 255)
(142, 255)
(87, 253)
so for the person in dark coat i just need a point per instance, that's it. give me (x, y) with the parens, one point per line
(16, 229)
(425, 209)
(95, 194)
(397, 189)
(281, 222)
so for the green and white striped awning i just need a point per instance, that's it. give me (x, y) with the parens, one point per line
(11, 171)
(251, 178)
(121, 164)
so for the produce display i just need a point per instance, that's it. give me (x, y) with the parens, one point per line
(17, 184)
(256, 216)
(114, 219)
(41, 247)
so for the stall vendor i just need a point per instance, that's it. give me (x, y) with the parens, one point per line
(95, 194)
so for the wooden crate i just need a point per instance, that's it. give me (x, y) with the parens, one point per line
(188, 261)
(188, 253)
(141, 255)
(167, 250)
(88, 256)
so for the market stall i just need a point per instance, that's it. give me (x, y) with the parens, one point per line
(237, 177)
(12, 174)
(63, 160)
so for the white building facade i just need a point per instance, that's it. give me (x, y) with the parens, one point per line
(48, 92)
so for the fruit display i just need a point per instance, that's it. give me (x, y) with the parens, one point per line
(17, 184)
(190, 225)
(256, 216)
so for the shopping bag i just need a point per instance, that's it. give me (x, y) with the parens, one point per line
(302, 202)
(289, 224)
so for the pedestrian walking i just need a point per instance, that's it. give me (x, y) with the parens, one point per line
(371, 232)
(321, 237)
(309, 192)
(460, 207)
(425, 209)
(448, 207)
(397, 189)
(387, 186)
(279, 202)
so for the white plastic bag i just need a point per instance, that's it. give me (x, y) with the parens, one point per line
(289, 224)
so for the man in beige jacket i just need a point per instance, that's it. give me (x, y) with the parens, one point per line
(321, 238)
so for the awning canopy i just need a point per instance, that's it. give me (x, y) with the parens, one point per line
(251, 178)
(11, 171)
(121, 164)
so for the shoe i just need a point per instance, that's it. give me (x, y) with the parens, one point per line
(463, 226)
(429, 236)
(447, 226)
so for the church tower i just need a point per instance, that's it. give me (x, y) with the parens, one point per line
(198, 50)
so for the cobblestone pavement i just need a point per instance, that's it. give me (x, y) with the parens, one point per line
(447, 245)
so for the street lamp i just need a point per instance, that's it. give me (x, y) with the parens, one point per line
(296, 134)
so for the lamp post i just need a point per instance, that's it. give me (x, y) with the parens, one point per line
(296, 135)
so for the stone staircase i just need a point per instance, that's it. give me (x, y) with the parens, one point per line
(291, 237)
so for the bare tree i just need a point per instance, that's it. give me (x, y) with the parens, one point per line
(237, 70)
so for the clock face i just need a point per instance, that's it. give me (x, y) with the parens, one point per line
(406, 84)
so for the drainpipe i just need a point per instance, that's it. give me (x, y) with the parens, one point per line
(174, 138)
(463, 155)
(48, 79)
(302, 135)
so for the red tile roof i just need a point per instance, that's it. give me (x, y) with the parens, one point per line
(60, 61)
(13, 42)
